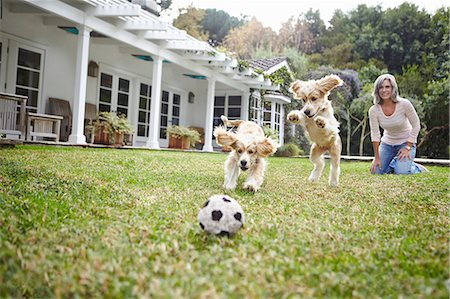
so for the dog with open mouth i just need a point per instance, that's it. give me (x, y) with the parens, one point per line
(249, 148)
(317, 117)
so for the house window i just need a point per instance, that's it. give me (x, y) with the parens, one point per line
(123, 96)
(114, 93)
(164, 114)
(170, 112)
(255, 109)
(267, 114)
(28, 76)
(145, 100)
(277, 117)
(230, 106)
(219, 109)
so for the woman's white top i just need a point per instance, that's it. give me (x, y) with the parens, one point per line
(402, 126)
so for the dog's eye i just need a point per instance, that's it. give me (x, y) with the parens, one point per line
(239, 151)
(251, 152)
(313, 99)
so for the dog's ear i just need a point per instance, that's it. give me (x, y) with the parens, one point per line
(266, 147)
(295, 87)
(224, 137)
(328, 83)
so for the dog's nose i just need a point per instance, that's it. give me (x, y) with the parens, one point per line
(307, 112)
(243, 163)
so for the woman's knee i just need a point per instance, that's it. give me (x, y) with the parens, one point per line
(403, 167)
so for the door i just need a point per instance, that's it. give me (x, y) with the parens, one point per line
(25, 72)
(145, 102)
(114, 93)
(170, 114)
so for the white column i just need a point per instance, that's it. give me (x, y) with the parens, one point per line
(282, 120)
(244, 105)
(79, 98)
(207, 147)
(153, 140)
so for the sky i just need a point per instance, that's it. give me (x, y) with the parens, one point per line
(275, 12)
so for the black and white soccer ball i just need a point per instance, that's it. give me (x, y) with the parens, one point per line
(221, 215)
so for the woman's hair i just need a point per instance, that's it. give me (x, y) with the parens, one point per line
(376, 87)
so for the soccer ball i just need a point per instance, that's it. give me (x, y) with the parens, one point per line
(221, 215)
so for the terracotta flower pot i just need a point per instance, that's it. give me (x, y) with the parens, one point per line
(181, 143)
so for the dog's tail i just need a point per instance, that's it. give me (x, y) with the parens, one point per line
(231, 123)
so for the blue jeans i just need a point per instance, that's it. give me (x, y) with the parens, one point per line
(391, 164)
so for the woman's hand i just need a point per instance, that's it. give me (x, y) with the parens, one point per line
(403, 154)
(376, 163)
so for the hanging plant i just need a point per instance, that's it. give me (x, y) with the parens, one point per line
(243, 65)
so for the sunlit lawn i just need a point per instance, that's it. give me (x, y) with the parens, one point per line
(89, 223)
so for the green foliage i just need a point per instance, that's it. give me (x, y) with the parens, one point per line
(298, 62)
(436, 136)
(288, 150)
(369, 73)
(184, 132)
(271, 133)
(116, 122)
(410, 82)
(106, 223)
(243, 65)
(406, 32)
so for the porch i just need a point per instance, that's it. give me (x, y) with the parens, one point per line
(122, 59)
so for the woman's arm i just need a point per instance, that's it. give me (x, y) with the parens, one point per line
(414, 120)
(376, 161)
(375, 137)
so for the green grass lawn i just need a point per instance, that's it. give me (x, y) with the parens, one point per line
(85, 223)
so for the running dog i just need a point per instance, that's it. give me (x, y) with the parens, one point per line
(249, 148)
(317, 117)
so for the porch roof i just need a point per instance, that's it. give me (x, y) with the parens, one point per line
(146, 34)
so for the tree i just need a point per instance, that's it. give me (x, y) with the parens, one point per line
(435, 140)
(218, 23)
(252, 35)
(295, 33)
(406, 30)
(190, 20)
(316, 27)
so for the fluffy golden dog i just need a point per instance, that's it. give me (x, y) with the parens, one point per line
(317, 117)
(249, 148)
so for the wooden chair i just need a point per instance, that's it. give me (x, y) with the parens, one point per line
(12, 123)
(62, 108)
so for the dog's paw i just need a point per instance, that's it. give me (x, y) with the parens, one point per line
(229, 187)
(294, 117)
(320, 122)
(313, 178)
(333, 184)
(250, 187)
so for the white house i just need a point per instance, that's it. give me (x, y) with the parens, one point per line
(120, 57)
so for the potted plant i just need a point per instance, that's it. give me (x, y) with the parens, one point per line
(111, 128)
(182, 137)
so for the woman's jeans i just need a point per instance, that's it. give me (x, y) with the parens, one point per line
(391, 164)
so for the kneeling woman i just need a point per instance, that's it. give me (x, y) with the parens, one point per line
(398, 118)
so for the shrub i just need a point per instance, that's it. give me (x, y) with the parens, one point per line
(288, 150)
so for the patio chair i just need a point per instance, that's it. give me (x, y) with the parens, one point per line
(12, 122)
(62, 108)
